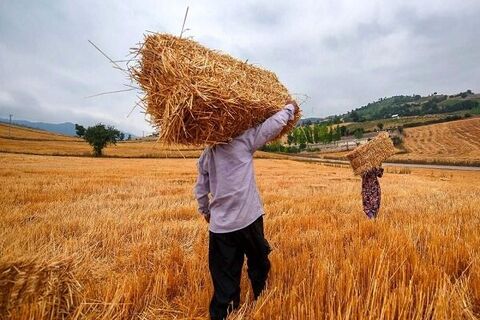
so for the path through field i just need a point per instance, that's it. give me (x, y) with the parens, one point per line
(390, 164)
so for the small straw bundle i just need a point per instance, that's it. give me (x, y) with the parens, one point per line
(31, 289)
(371, 154)
(197, 96)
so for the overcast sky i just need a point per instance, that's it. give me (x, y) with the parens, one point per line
(341, 53)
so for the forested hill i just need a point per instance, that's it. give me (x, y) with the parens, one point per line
(415, 105)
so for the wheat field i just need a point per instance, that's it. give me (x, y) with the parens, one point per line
(24, 133)
(111, 238)
(37, 142)
(31, 141)
(451, 142)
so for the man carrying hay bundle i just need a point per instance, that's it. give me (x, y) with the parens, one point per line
(198, 96)
(366, 161)
(235, 212)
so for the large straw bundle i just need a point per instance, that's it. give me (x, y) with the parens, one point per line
(371, 154)
(195, 95)
(32, 289)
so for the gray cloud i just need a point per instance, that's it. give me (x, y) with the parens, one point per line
(342, 54)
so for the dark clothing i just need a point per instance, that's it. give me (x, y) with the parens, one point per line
(225, 258)
(371, 193)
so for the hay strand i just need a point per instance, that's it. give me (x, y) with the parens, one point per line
(31, 288)
(371, 154)
(197, 96)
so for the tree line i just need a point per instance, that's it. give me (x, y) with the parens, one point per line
(411, 106)
(299, 138)
(316, 133)
(320, 133)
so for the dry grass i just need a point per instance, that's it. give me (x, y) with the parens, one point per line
(18, 132)
(140, 248)
(43, 290)
(197, 96)
(451, 142)
(27, 141)
(371, 154)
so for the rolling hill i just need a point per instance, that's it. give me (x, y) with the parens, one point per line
(415, 105)
(65, 128)
(449, 143)
(456, 142)
(17, 139)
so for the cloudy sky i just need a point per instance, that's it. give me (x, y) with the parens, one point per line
(341, 53)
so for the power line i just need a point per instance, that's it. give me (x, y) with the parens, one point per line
(10, 126)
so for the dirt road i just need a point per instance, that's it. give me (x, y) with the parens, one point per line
(387, 164)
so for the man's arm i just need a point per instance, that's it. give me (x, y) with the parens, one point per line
(271, 127)
(202, 188)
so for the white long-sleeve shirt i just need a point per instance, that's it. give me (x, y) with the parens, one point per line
(226, 172)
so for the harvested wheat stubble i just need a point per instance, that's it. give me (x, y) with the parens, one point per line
(32, 289)
(371, 154)
(197, 96)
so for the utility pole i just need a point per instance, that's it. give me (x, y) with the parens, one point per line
(10, 126)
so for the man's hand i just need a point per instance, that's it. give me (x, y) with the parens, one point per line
(294, 103)
(207, 217)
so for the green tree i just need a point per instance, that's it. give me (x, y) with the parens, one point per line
(290, 138)
(295, 136)
(354, 116)
(308, 132)
(129, 137)
(121, 136)
(79, 130)
(330, 135)
(99, 136)
(323, 134)
(337, 135)
(316, 133)
(302, 139)
(358, 133)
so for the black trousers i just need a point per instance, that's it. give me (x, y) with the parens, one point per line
(225, 257)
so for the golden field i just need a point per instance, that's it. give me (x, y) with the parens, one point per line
(32, 141)
(24, 133)
(456, 142)
(111, 238)
(449, 143)
(38, 142)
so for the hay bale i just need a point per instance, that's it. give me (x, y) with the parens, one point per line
(371, 154)
(197, 96)
(32, 289)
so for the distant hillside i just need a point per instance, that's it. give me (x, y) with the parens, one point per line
(19, 139)
(415, 105)
(456, 142)
(308, 121)
(66, 128)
